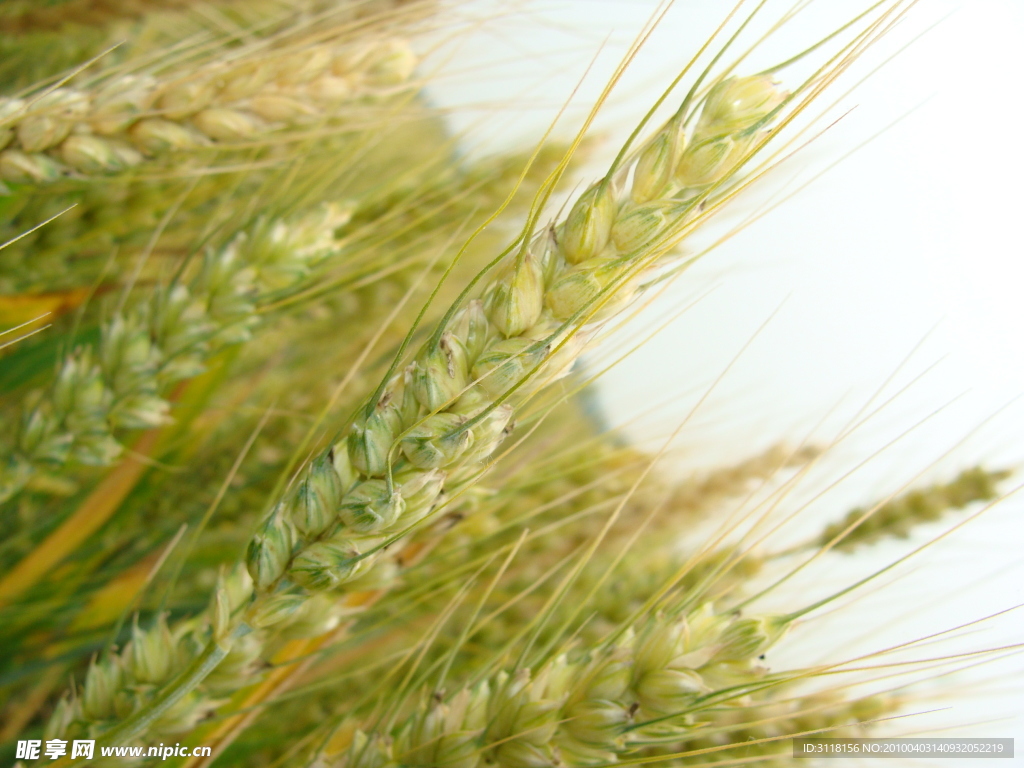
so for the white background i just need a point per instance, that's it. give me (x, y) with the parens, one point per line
(906, 254)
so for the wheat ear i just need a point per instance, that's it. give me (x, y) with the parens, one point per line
(238, 102)
(897, 517)
(431, 425)
(428, 428)
(166, 337)
(588, 708)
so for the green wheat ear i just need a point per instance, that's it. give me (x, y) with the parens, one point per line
(898, 517)
(429, 428)
(165, 337)
(590, 706)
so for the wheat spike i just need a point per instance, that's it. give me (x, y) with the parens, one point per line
(588, 707)
(116, 126)
(427, 429)
(897, 518)
(165, 338)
